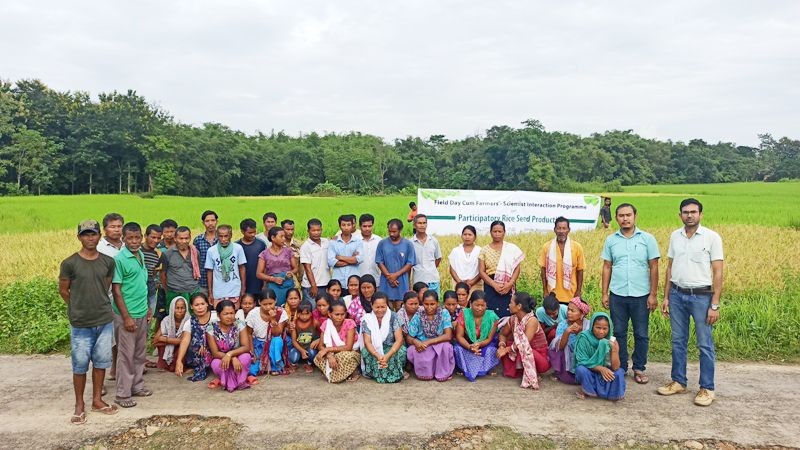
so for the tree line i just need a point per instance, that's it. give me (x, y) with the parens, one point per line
(54, 142)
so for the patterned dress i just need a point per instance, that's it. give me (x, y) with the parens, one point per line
(394, 371)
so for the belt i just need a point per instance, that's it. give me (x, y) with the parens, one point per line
(703, 290)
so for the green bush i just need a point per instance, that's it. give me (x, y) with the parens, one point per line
(327, 189)
(33, 317)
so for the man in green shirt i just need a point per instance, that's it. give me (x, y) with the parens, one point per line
(129, 287)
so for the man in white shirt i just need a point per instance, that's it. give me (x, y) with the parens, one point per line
(370, 241)
(314, 260)
(428, 255)
(693, 289)
(111, 242)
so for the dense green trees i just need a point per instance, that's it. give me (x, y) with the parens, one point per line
(67, 142)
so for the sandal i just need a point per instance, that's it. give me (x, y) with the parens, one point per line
(353, 377)
(640, 377)
(125, 402)
(309, 369)
(108, 410)
(579, 393)
(144, 392)
(214, 384)
(78, 419)
(252, 381)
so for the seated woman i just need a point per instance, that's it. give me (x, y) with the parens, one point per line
(248, 304)
(550, 314)
(353, 286)
(194, 345)
(406, 313)
(562, 349)
(383, 352)
(304, 337)
(526, 357)
(267, 325)
(169, 334)
(597, 367)
(334, 289)
(462, 294)
(229, 345)
(362, 304)
(430, 332)
(476, 329)
(336, 359)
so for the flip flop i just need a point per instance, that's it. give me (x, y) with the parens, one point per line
(252, 380)
(125, 402)
(640, 377)
(214, 384)
(78, 419)
(309, 369)
(143, 393)
(108, 410)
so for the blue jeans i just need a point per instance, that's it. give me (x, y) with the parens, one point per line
(307, 294)
(681, 308)
(635, 310)
(91, 344)
(294, 356)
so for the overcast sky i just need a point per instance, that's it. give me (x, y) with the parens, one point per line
(725, 70)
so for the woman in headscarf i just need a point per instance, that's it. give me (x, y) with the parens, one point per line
(169, 334)
(499, 267)
(476, 332)
(430, 331)
(383, 351)
(526, 356)
(562, 348)
(597, 367)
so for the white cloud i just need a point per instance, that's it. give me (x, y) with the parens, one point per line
(723, 70)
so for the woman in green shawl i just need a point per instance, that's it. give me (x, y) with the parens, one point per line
(476, 338)
(597, 367)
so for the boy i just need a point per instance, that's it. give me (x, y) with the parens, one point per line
(252, 247)
(270, 220)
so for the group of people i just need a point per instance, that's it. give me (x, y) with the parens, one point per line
(359, 305)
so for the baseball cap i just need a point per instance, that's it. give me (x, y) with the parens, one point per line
(88, 225)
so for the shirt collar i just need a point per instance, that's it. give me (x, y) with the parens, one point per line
(127, 253)
(636, 231)
(699, 230)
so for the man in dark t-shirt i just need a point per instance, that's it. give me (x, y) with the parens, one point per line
(605, 212)
(252, 248)
(83, 283)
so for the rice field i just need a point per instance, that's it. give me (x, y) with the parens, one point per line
(761, 301)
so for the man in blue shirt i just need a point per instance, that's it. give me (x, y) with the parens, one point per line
(630, 282)
(395, 256)
(345, 252)
(205, 241)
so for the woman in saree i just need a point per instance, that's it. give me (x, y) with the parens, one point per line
(499, 267)
(194, 345)
(430, 333)
(597, 367)
(229, 345)
(383, 352)
(476, 331)
(336, 359)
(522, 346)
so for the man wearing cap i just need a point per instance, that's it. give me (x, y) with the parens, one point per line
(83, 283)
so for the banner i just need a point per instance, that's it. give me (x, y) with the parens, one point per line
(449, 210)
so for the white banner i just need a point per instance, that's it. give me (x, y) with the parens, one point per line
(449, 210)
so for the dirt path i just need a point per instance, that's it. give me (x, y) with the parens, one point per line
(756, 404)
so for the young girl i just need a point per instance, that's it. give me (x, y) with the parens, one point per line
(194, 345)
(462, 295)
(430, 332)
(550, 314)
(293, 297)
(229, 345)
(451, 305)
(321, 311)
(562, 349)
(304, 334)
(266, 324)
(476, 348)
(353, 284)
(337, 360)
(334, 289)
(406, 313)
(597, 376)
(526, 357)
(169, 334)
(248, 303)
(383, 352)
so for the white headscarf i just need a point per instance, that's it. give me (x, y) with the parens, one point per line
(169, 329)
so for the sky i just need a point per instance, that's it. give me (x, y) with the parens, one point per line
(714, 70)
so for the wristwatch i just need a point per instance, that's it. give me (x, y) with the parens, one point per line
(715, 306)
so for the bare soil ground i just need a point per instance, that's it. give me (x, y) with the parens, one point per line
(756, 407)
